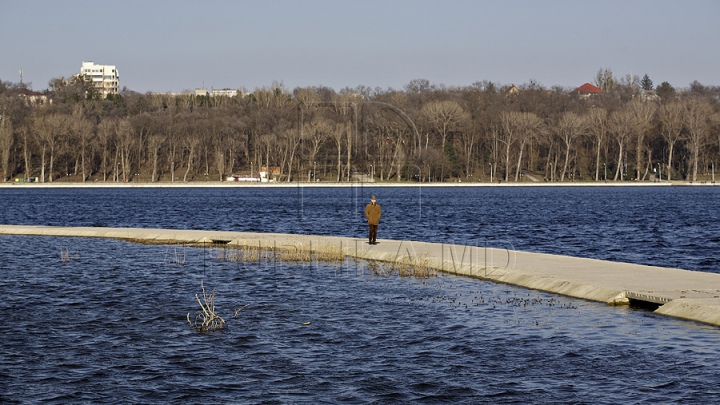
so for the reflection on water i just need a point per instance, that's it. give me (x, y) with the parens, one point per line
(106, 323)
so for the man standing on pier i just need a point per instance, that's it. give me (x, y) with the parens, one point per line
(372, 213)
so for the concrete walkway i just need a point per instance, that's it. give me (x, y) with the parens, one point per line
(681, 293)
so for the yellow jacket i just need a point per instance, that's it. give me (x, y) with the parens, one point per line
(372, 213)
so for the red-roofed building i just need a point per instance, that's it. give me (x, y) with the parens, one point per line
(587, 90)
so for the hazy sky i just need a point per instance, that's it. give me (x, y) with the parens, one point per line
(173, 45)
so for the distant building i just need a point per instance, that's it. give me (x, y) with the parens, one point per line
(587, 90)
(266, 172)
(225, 92)
(514, 91)
(33, 97)
(105, 78)
(218, 92)
(648, 95)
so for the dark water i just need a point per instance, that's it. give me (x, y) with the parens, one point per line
(107, 323)
(662, 226)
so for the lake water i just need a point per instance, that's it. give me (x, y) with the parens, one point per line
(103, 321)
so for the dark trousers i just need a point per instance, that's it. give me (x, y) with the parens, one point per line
(373, 233)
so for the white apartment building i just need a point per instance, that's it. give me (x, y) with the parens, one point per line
(105, 78)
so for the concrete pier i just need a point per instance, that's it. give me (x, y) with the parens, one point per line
(680, 293)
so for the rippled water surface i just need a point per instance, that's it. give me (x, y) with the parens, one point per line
(662, 226)
(103, 321)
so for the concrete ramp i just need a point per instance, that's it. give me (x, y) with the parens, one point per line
(684, 294)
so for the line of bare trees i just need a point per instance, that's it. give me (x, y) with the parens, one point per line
(420, 133)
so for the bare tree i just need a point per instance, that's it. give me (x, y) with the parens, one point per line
(143, 125)
(400, 155)
(307, 98)
(377, 130)
(24, 132)
(218, 131)
(155, 142)
(643, 113)
(237, 141)
(620, 126)
(570, 127)
(468, 139)
(597, 126)
(57, 125)
(350, 136)
(266, 143)
(430, 160)
(604, 79)
(106, 134)
(218, 134)
(444, 117)
(6, 142)
(220, 162)
(345, 105)
(338, 135)
(508, 135)
(41, 128)
(81, 130)
(510, 132)
(530, 127)
(671, 127)
(124, 143)
(191, 144)
(274, 96)
(697, 121)
(205, 145)
(317, 133)
(172, 131)
(292, 140)
(393, 141)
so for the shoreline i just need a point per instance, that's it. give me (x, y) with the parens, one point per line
(344, 184)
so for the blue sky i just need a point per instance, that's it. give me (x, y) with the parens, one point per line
(174, 45)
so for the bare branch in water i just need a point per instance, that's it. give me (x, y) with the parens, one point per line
(207, 320)
(239, 309)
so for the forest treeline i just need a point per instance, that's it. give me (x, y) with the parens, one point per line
(423, 132)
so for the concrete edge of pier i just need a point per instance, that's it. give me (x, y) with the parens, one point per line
(690, 295)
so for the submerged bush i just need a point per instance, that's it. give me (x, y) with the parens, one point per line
(206, 320)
